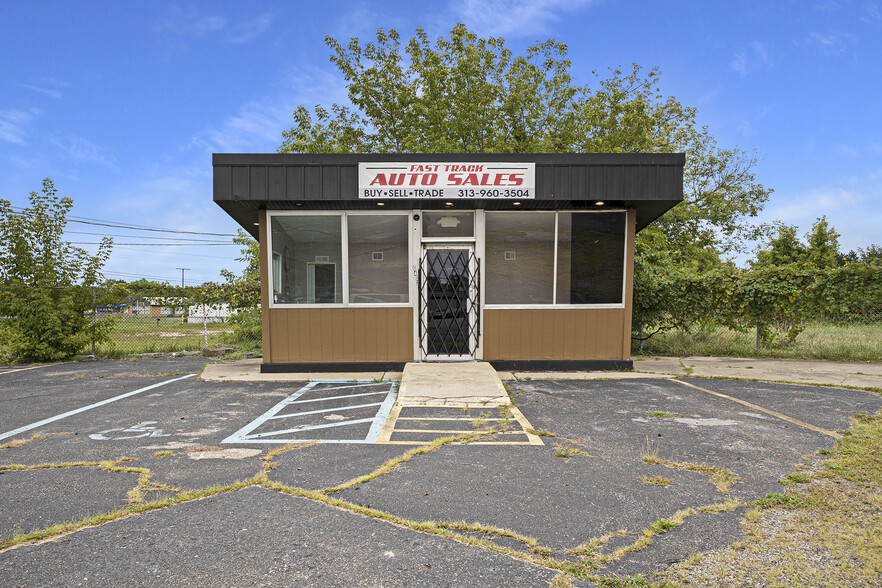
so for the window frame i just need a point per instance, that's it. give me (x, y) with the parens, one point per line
(554, 304)
(344, 244)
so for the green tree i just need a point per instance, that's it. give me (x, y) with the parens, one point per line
(783, 249)
(47, 281)
(242, 292)
(823, 245)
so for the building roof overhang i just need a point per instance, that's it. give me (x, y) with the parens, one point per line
(651, 183)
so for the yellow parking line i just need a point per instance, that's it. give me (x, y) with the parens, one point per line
(33, 367)
(773, 413)
(389, 425)
(395, 415)
(457, 431)
(470, 419)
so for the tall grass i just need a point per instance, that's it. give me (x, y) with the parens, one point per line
(819, 340)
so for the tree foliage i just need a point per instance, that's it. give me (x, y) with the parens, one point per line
(468, 94)
(46, 281)
(820, 250)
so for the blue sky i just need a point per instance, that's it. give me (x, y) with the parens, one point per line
(122, 103)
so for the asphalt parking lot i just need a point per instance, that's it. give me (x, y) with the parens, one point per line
(138, 432)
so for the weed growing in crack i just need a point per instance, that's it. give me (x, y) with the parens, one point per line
(20, 442)
(662, 526)
(655, 480)
(719, 477)
(390, 464)
(567, 451)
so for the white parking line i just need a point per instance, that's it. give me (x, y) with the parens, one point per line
(247, 435)
(90, 407)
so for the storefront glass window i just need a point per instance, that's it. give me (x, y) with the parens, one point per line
(378, 260)
(519, 257)
(590, 257)
(309, 249)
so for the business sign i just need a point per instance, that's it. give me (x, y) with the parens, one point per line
(497, 181)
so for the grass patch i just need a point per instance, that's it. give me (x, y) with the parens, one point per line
(665, 415)
(540, 433)
(163, 453)
(655, 480)
(826, 531)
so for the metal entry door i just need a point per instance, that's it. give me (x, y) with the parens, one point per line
(449, 295)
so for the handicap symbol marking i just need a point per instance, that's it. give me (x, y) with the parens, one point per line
(142, 429)
(367, 394)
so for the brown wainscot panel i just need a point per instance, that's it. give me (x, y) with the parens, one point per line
(569, 333)
(300, 335)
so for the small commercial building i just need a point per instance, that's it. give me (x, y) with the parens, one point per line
(369, 261)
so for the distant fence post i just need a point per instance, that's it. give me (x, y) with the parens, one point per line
(94, 315)
(757, 337)
(205, 325)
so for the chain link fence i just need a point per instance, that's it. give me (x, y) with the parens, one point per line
(121, 323)
(848, 336)
(159, 323)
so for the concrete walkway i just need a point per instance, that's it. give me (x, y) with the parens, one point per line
(833, 373)
(471, 384)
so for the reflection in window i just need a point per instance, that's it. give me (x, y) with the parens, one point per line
(448, 223)
(378, 260)
(590, 257)
(309, 249)
(519, 253)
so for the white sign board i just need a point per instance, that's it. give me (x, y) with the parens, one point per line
(501, 180)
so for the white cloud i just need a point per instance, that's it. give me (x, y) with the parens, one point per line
(14, 123)
(834, 42)
(257, 125)
(192, 22)
(514, 17)
(82, 150)
(48, 86)
(250, 29)
(755, 56)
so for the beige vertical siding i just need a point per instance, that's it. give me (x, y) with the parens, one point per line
(575, 333)
(300, 335)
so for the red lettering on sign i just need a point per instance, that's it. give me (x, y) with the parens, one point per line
(379, 179)
(454, 179)
(430, 179)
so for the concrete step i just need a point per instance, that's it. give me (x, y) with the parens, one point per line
(465, 384)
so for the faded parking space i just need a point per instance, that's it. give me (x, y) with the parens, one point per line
(583, 483)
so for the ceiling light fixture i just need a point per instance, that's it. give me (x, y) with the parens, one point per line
(515, 203)
(448, 204)
(381, 204)
(599, 203)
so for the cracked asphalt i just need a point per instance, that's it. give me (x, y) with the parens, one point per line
(152, 496)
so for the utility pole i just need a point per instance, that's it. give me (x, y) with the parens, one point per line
(183, 308)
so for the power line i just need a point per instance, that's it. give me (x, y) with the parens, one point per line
(144, 237)
(131, 227)
(208, 244)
